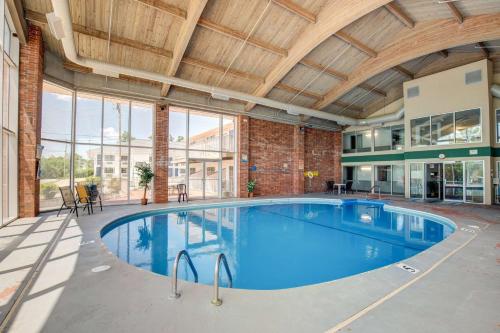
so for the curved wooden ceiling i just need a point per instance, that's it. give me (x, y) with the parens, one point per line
(342, 56)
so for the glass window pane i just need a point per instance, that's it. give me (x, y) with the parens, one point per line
(364, 141)
(443, 132)
(349, 142)
(383, 139)
(55, 168)
(228, 134)
(383, 178)
(5, 177)
(416, 180)
(114, 173)
(204, 130)
(398, 179)
(142, 125)
(204, 154)
(88, 118)
(176, 171)
(420, 131)
(57, 105)
(474, 177)
(227, 175)
(363, 178)
(177, 119)
(398, 137)
(139, 156)
(116, 115)
(498, 125)
(468, 126)
(87, 164)
(454, 181)
(5, 93)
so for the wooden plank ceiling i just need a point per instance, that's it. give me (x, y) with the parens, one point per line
(306, 52)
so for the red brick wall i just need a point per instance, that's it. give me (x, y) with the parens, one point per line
(30, 108)
(280, 154)
(160, 187)
(323, 151)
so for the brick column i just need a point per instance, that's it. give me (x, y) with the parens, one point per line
(298, 160)
(30, 111)
(160, 187)
(243, 155)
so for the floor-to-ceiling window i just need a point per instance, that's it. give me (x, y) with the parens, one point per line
(9, 67)
(201, 155)
(93, 139)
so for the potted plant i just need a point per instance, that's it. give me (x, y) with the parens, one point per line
(145, 177)
(250, 187)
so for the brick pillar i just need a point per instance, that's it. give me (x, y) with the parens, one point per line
(298, 160)
(160, 187)
(243, 155)
(30, 111)
(337, 156)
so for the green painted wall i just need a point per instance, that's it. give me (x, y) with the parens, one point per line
(413, 155)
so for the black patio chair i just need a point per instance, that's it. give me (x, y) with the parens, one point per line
(69, 201)
(182, 193)
(330, 187)
(95, 196)
(348, 187)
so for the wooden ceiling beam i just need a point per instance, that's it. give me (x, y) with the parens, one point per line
(296, 9)
(456, 13)
(207, 24)
(221, 69)
(164, 7)
(425, 38)
(443, 53)
(403, 71)
(400, 14)
(483, 49)
(315, 96)
(333, 17)
(329, 71)
(356, 43)
(295, 91)
(372, 89)
(183, 37)
(40, 18)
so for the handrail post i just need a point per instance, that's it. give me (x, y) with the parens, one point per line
(175, 294)
(221, 257)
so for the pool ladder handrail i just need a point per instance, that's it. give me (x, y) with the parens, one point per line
(175, 294)
(221, 257)
(371, 190)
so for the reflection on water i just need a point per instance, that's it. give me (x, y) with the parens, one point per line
(275, 246)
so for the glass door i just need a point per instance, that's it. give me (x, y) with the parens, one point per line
(474, 181)
(433, 181)
(454, 181)
(417, 180)
(204, 178)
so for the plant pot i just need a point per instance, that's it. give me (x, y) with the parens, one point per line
(250, 194)
(144, 201)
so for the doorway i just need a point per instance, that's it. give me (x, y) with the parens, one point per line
(204, 179)
(434, 181)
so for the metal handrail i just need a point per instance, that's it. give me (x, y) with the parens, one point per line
(371, 190)
(175, 294)
(221, 257)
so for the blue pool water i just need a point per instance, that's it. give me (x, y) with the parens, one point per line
(274, 246)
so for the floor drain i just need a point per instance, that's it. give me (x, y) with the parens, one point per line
(99, 269)
(468, 230)
(408, 268)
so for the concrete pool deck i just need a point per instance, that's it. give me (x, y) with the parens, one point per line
(46, 262)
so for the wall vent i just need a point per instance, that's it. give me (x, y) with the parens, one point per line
(473, 77)
(413, 92)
